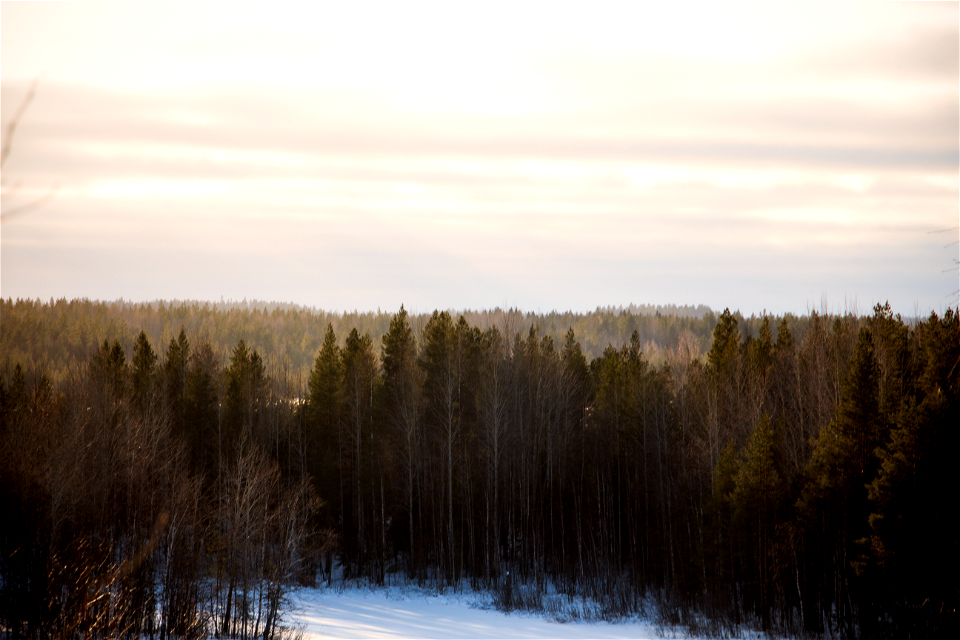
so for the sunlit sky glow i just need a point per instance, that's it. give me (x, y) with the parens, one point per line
(445, 155)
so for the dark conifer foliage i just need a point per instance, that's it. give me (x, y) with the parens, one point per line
(128, 511)
(790, 474)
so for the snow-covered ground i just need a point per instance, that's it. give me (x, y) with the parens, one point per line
(412, 613)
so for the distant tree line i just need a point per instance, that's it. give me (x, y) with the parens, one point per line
(53, 334)
(794, 476)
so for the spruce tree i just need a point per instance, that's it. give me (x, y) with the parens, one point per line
(245, 389)
(144, 366)
(756, 497)
(175, 377)
(834, 500)
(442, 378)
(207, 444)
(402, 386)
(359, 379)
(914, 539)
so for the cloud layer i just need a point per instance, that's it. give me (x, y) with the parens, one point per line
(753, 157)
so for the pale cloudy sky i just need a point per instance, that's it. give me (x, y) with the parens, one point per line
(453, 155)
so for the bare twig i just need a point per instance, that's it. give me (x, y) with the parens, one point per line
(945, 231)
(27, 208)
(12, 125)
(9, 130)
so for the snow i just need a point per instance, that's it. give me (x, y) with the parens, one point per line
(395, 612)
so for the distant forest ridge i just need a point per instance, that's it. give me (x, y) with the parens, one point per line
(52, 335)
(682, 311)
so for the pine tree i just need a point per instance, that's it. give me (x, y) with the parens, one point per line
(325, 397)
(176, 368)
(914, 539)
(441, 365)
(756, 497)
(201, 413)
(493, 393)
(890, 336)
(724, 351)
(724, 368)
(244, 399)
(834, 500)
(110, 366)
(402, 385)
(144, 367)
(760, 361)
(359, 378)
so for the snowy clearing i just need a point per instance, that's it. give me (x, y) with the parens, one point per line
(408, 612)
(395, 613)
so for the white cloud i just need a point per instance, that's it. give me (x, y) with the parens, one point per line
(477, 156)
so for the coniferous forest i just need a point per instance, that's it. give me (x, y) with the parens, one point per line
(174, 470)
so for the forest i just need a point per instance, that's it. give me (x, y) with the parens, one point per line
(51, 335)
(176, 469)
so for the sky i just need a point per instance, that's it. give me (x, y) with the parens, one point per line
(773, 156)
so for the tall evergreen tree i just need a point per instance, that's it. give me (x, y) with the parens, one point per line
(402, 386)
(724, 367)
(756, 499)
(143, 374)
(441, 364)
(176, 367)
(359, 379)
(493, 399)
(207, 444)
(325, 397)
(834, 501)
(914, 540)
(244, 399)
